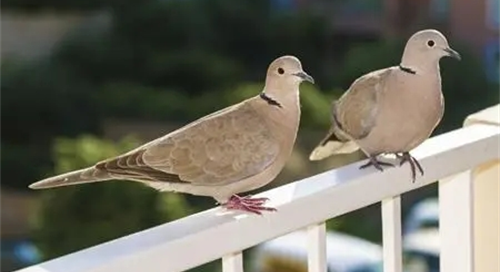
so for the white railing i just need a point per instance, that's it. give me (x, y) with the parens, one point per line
(308, 203)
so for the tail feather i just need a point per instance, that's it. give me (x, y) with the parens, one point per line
(331, 145)
(86, 175)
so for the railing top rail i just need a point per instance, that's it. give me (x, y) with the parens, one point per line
(209, 235)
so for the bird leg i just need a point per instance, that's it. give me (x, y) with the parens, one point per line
(373, 161)
(248, 204)
(406, 157)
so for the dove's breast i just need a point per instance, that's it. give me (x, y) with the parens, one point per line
(283, 123)
(410, 108)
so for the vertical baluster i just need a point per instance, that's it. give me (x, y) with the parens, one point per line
(233, 262)
(316, 259)
(391, 234)
(455, 223)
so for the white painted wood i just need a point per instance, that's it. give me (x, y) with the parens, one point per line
(486, 187)
(233, 262)
(490, 116)
(487, 217)
(455, 223)
(316, 248)
(209, 235)
(391, 234)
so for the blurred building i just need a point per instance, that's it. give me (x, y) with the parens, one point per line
(33, 35)
(16, 207)
(16, 210)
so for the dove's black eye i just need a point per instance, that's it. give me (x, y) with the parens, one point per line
(281, 71)
(430, 43)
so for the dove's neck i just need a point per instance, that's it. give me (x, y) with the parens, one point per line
(284, 99)
(419, 67)
(285, 105)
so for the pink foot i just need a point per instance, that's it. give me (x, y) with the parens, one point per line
(248, 204)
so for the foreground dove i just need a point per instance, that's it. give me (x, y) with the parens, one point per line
(234, 150)
(392, 110)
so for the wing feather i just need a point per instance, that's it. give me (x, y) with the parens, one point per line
(357, 109)
(226, 147)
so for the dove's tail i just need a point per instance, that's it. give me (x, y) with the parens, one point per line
(331, 145)
(86, 175)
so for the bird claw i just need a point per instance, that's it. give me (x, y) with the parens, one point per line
(248, 204)
(257, 199)
(406, 157)
(372, 161)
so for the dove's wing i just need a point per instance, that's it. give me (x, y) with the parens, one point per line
(355, 112)
(353, 116)
(219, 149)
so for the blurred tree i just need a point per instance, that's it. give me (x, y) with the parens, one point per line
(62, 5)
(39, 101)
(195, 47)
(76, 217)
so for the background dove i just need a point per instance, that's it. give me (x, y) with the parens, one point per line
(237, 149)
(392, 110)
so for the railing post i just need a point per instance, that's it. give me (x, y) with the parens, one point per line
(316, 259)
(486, 187)
(455, 223)
(233, 262)
(469, 205)
(391, 234)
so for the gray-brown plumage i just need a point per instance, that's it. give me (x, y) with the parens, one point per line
(391, 110)
(237, 149)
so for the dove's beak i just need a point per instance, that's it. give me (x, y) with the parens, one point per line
(452, 53)
(304, 76)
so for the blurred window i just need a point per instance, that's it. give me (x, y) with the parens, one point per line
(362, 7)
(492, 60)
(17, 254)
(439, 9)
(282, 5)
(492, 14)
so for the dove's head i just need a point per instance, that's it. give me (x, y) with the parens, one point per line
(285, 73)
(427, 46)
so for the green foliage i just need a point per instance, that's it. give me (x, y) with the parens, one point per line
(195, 47)
(62, 5)
(52, 95)
(76, 217)
(130, 100)
(39, 101)
(364, 58)
(316, 107)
